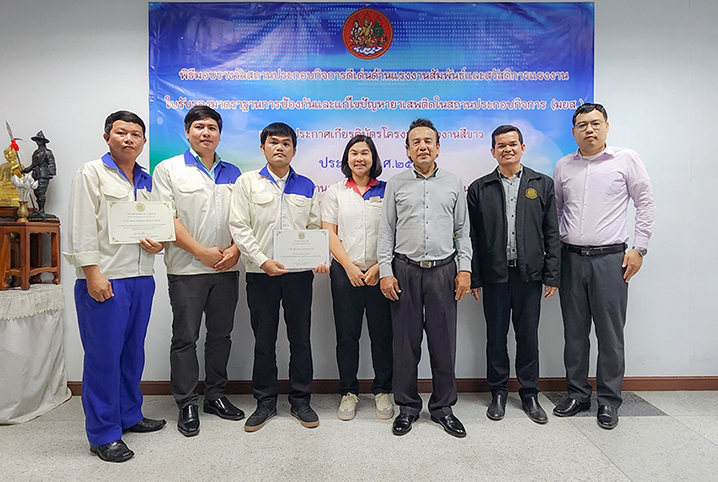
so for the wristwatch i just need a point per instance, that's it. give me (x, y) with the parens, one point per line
(641, 251)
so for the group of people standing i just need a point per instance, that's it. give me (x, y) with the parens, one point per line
(404, 253)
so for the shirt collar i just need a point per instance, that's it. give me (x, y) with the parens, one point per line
(608, 152)
(516, 174)
(110, 162)
(353, 185)
(192, 157)
(421, 176)
(265, 171)
(141, 177)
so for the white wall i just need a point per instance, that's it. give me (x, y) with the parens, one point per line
(66, 65)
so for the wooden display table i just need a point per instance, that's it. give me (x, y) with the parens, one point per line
(29, 242)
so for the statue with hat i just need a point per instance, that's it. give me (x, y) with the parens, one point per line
(43, 169)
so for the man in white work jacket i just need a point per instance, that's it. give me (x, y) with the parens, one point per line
(201, 267)
(113, 291)
(277, 198)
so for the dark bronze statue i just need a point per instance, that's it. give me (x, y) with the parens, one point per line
(43, 169)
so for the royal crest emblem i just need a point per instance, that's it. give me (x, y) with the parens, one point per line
(531, 193)
(367, 33)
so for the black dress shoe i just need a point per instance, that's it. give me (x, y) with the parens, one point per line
(570, 407)
(259, 418)
(147, 425)
(223, 408)
(188, 421)
(607, 417)
(451, 425)
(402, 423)
(532, 408)
(497, 407)
(115, 451)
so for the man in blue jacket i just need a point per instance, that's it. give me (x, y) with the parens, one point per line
(113, 291)
(202, 271)
(514, 234)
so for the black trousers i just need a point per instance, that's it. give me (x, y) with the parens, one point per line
(592, 287)
(426, 302)
(520, 302)
(215, 295)
(264, 295)
(349, 304)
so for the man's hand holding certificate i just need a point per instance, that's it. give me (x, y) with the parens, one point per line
(130, 222)
(298, 250)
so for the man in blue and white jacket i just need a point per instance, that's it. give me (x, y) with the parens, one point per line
(202, 267)
(113, 291)
(277, 198)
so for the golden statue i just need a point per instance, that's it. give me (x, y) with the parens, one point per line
(8, 191)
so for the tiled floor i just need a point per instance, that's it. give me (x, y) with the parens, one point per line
(633, 405)
(662, 436)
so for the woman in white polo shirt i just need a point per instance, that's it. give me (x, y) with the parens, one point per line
(351, 210)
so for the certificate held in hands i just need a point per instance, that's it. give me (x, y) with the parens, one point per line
(131, 221)
(301, 249)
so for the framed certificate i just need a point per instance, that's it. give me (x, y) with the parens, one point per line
(129, 221)
(302, 249)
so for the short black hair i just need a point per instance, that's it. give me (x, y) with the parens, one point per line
(588, 107)
(505, 129)
(200, 112)
(279, 129)
(375, 170)
(125, 116)
(421, 122)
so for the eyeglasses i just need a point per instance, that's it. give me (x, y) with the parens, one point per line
(582, 126)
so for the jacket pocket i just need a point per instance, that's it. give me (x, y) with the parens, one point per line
(117, 193)
(186, 187)
(262, 198)
(298, 201)
(298, 209)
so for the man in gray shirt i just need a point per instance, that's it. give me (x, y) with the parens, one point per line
(424, 232)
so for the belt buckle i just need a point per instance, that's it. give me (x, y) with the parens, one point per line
(585, 252)
(426, 264)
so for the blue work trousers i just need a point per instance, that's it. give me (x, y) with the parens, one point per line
(113, 336)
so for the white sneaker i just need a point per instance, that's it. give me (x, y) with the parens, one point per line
(384, 408)
(347, 407)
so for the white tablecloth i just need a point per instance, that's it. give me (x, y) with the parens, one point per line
(32, 361)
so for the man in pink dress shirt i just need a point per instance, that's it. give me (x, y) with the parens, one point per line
(593, 187)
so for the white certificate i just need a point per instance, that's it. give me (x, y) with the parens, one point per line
(129, 221)
(302, 249)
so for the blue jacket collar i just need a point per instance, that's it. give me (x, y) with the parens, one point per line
(142, 178)
(265, 172)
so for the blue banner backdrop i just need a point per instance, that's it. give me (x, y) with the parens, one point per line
(332, 70)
